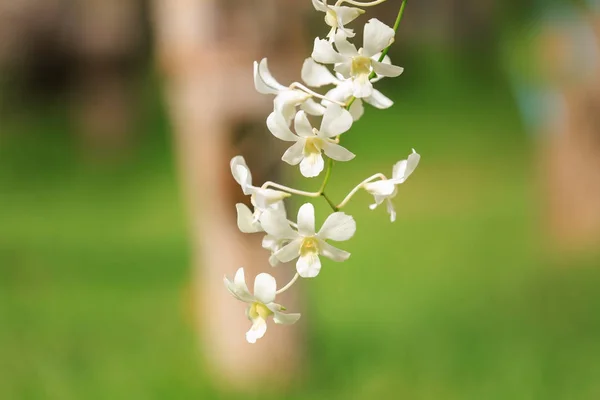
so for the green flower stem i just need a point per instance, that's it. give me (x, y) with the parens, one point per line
(327, 176)
(277, 186)
(325, 182)
(358, 187)
(353, 99)
(331, 203)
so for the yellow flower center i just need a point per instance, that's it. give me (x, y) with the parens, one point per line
(259, 310)
(313, 145)
(309, 246)
(361, 65)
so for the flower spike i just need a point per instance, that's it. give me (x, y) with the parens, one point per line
(348, 75)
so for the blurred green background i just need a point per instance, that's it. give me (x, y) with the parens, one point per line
(456, 300)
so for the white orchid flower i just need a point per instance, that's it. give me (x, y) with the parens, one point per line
(359, 64)
(386, 190)
(248, 221)
(317, 75)
(310, 142)
(305, 244)
(337, 17)
(261, 199)
(286, 98)
(261, 305)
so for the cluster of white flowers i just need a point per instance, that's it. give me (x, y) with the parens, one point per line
(351, 84)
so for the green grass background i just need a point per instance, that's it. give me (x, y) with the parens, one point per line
(453, 301)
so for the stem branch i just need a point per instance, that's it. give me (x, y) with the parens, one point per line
(331, 203)
(289, 285)
(290, 190)
(313, 93)
(358, 187)
(359, 4)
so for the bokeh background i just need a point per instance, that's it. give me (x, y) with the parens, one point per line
(486, 287)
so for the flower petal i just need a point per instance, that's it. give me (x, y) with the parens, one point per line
(285, 319)
(377, 36)
(245, 219)
(258, 330)
(344, 68)
(331, 34)
(270, 242)
(294, 154)
(381, 188)
(342, 92)
(347, 14)
(312, 107)
(386, 60)
(265, 287)
(378, 201)
(332, 252)
(399, 170)
(320, 6)
(344, 47)
(287, 100)
(302, 125)
(337, 152)
(347, 32)
(240, 279)
(309, 265)
(306, 220)
(312, 165)
(316, 75)
(391, 210)
(264, 198)
(290, 251)
(386, 69)
(241, 173)
(273, 260)
(403, 169)
(323, 52)
(279, 127)
(260, 85)
(362, 87)
(238, 287)
(279, 208)
(336, 121)
(378, 100)
(357, 109)
(338, 226)
(277, 225)
(264, 81)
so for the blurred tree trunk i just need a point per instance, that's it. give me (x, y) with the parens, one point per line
(571, 150)
(205, 50)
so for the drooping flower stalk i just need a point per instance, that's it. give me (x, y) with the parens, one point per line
(356, 71)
